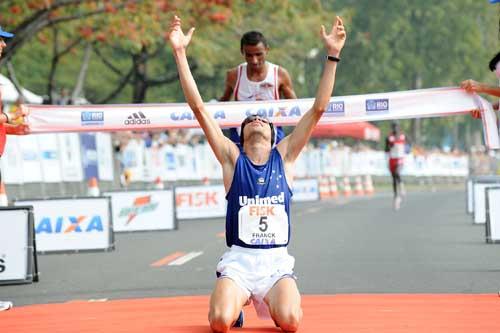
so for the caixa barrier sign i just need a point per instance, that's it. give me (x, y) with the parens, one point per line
(17, 246)
(72, 224)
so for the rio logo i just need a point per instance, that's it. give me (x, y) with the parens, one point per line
(336, 108)
(381, 104)
(69, 224)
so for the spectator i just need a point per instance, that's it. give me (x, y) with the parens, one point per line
(483, 88)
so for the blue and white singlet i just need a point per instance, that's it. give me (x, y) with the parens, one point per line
(258, 204)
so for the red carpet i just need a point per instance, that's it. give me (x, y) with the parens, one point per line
(386, 313)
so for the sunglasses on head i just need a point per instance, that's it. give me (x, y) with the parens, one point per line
(253, 118)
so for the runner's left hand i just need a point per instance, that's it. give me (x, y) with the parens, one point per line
(177, 39)
(334, 41)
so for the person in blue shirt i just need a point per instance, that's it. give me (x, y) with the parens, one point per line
(257, 268)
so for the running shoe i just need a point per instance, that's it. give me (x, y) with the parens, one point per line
(397, 203)
(402, 189)
(5, 305)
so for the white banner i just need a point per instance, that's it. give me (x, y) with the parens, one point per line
(71, 224)
(305, 190)
(422, 103)
(11, 162)
(104, 156)
(185, 162)
(193, 202)
(143, 210)
(70, 157)
(206, 163)
(132, 159)
(169, 163)
(493, 215)
(14, 246)
(49, 157)
(32, 166)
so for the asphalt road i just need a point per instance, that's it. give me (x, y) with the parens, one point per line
(341, 247)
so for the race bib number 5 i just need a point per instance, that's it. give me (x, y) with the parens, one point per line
(263, 225)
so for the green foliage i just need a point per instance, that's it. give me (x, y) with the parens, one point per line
(392, 45)
(401, 44)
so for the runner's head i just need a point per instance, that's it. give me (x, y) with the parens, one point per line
(394, 127)
(494, 64)
(257, 125)
(254, 48)
(3, 36)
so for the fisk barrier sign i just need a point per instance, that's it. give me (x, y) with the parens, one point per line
(193, 202)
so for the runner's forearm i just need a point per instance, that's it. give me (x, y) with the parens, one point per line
(325, 88)
(490, 90)
(191, 93)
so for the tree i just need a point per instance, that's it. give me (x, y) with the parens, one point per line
(402, 44)
(129, 54)
(31, 17)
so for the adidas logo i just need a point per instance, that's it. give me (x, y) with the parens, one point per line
(137, 119)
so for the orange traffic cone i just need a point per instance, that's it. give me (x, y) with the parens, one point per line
(159, 184)
(347, 187)
(369, 189)
(4, 202)
(93, 190)
(358, 186)
(334, 191)
(324, 187)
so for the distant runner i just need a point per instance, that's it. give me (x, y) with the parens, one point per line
(395, 147)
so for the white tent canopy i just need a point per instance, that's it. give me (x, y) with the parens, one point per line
(10, 94)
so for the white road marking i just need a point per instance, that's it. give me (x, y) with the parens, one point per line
(184, 259)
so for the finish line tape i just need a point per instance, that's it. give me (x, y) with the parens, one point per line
(422, 103)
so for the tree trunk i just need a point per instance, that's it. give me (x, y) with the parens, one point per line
(140, 76)
(78, 91)
(13, 79)
(53, 66)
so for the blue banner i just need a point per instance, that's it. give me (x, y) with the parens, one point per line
(89, 155)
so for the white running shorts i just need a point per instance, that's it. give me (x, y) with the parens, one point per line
(256, 271)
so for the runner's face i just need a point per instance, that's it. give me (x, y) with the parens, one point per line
(253, 124)
(251, 119)
(2, 45)
(255, 55)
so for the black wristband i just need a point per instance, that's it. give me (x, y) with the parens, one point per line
(332, 58)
